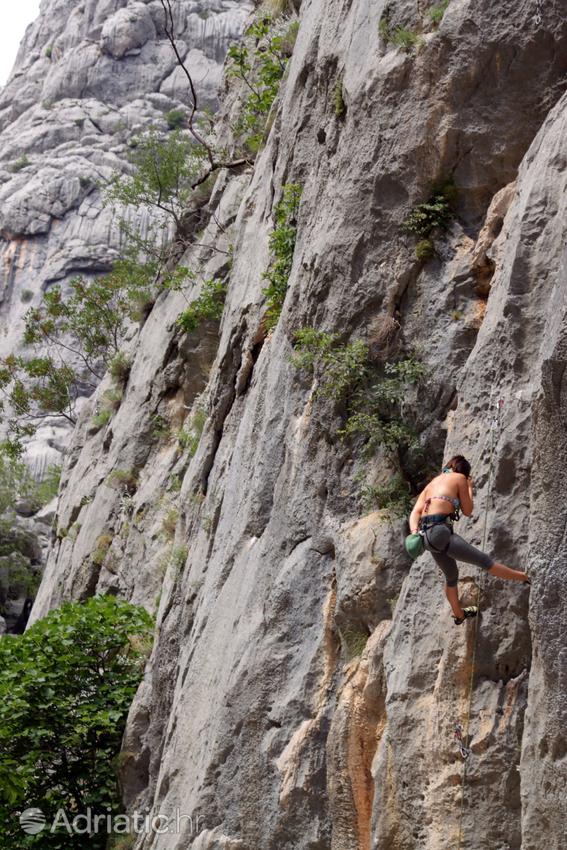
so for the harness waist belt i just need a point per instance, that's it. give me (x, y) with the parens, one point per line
(434, 519)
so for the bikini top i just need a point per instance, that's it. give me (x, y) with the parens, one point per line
(455, 502)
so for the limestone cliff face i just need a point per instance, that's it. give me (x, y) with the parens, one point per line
(88, 79)
(256, 712)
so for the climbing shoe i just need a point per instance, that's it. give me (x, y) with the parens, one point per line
(528, 581)
(471, 611)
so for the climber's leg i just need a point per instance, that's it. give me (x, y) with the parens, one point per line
(452, 594)
(463, 551)
(437, 537)
(502, 571)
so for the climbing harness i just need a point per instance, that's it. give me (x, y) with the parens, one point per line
(463, 733)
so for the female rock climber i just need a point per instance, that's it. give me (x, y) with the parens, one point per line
(433, 514)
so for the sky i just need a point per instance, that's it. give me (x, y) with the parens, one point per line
(16, 15)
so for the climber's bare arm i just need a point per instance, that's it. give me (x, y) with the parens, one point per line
(466, 494)
(415, 515)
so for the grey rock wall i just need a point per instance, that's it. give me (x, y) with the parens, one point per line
(258, 710)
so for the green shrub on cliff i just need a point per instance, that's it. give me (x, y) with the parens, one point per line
(437, 12)
(259, 61)
(370, 397)
(208, 306)
(282, 247)
(66, 686)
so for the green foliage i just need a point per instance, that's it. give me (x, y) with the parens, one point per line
(66, 686)
(179, 557)
(341, 368)
(190, 439)
(424, 250)
(100, 419)
(124, 480)
(30, 389)
(22, 162)
(259, 61)
(384, 28)
(111, 398)
(394, 498)
(48, 51)
(405, 39)
(163, 171)
(373, 400)
(208, 306)
(175, 118)
(282, 247)
(437, 12)
(119, 367)
(72, 338)
(434, 213)
(340, 105)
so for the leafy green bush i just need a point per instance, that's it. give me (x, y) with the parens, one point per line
(259, 61)
(100, 419)
(66, 686)
(175, 118)
(395, 497)
(405, 39)
(208, 306)
(341, 368)
(424, 250)
(282, 247)
(437, 12)
(119, 367)
(163, 171)
(373, 399)
(434, 213)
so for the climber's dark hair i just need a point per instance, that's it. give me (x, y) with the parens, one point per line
(459, 463)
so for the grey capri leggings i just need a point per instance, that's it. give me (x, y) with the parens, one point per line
(452, 549)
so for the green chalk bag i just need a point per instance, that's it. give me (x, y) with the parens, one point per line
(414, 545)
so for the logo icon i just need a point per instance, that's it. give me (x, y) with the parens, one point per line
(32, 821)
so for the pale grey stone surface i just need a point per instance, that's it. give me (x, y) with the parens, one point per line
(252, 712)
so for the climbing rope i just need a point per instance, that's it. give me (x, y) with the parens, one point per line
(462, 734)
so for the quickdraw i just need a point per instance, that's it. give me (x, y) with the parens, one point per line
(464, 751)
(538, 17)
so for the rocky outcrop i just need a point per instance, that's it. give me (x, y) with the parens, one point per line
(89, 78)
(306, 679)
